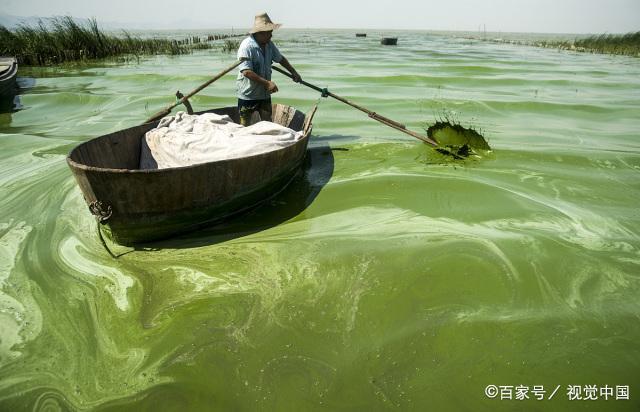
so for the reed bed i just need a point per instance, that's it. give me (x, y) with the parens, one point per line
(230, 46)
(62, 39)
(619, 44)
(626, 44)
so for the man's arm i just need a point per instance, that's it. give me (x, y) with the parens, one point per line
(288, 66)
(268, 84)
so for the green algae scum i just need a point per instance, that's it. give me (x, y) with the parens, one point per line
(457, 140)
(383, 278)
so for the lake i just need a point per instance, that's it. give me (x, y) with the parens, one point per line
(386, 277)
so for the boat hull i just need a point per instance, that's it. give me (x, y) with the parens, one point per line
(8, 73)
(137, 206)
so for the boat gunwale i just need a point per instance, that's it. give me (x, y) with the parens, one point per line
(72, 163)
(10, 72)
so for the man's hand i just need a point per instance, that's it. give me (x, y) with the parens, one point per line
(296, 77)
(271, 87)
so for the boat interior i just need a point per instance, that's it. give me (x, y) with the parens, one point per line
(121, 150)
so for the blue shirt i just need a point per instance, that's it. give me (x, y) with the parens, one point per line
(259, 62)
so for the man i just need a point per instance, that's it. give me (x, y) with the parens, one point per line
(255, 87)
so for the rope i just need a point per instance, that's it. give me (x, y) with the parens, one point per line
(324, 93)
(104, 243)
(102, 213)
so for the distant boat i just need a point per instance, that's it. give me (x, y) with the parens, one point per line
(361, 34)
(8, 71)
(389, 41)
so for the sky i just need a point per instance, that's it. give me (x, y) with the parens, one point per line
(537, 16)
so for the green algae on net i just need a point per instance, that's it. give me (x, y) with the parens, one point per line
(455, 139)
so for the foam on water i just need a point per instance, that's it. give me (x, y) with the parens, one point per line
(20, 316)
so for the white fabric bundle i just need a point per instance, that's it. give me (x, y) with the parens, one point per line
(184, 140)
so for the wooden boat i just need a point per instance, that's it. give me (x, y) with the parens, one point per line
(136, 205)
(389, 41)
(8, 71)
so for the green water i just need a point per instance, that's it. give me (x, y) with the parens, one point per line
(384, 278)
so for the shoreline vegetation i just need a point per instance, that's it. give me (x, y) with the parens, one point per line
(62, 40)
(617, 44)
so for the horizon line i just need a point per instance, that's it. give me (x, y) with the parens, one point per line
(113, 25)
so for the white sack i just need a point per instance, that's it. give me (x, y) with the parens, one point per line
(184, 140)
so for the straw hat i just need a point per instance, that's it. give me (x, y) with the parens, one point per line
(263, 22)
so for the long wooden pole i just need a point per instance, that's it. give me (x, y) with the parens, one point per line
(162, 113)
(373, 115)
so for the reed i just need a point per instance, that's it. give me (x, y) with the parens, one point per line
(620, 44)
(626, 44)
(230, 46)
(62, 39)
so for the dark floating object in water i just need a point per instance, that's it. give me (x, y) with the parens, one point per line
(361, 34)
(456, 139)
(389, 41)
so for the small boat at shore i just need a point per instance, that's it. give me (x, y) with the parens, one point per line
(8, 72)
(136, 205)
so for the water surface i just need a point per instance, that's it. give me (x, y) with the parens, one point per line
(385, 278)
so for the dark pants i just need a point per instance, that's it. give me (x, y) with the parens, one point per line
(248, 107)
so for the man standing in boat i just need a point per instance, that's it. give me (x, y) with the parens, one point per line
(255, 87)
